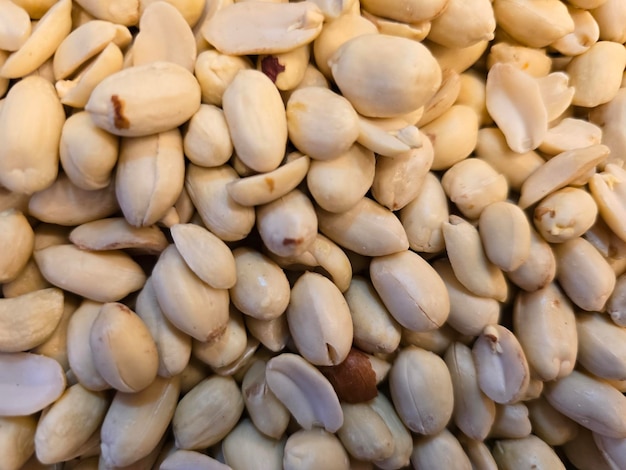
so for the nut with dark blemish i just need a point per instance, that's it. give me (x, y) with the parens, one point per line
(292, 241)
(354, 380)
(119, 120)
(271, 67)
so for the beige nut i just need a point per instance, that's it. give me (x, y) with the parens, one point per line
(314, 448)
(17, 442)
(245, 446)
(548, 424)
(207, 138)
(600, 347)
(515, 453)
(440, 449)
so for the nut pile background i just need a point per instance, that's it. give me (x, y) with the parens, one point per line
(312, 235)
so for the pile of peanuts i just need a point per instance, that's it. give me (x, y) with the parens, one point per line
(323, 234)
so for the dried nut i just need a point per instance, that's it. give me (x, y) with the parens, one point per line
(225, 350)
(398, 180)
(413, 12)
(136, 422)
(604, 57)
(270, 27)
(44, 39)
(145, 99)
(503, 373)
(321, 123)
(511, 422)
(28, 280)
(436, 341)
(202, 312)
(411, 290)
(206, 255)
(268, 414)
(30, 108)
(245, 446)
(273, 334)
(105, 276)
(364, 434)
(16, 233)
(609, 191)
(186, 459)
(463, 24)
(208, 189)
(505, 232)
(164, 35)
(68, 423)
(529, 451)
(615, 306)
(548, 424)
(333, 260)
(439, 449)
(403, 442)
(565, 214)
(545, 326)
(79, 353)
(192, 10)
(585, 276)
(609, 15)
(354, 379)
(474, 412)
(267, 187)
(375, 330)
(601, 346)
(207, 138)
(414, 31)
(305, 392)
(612, 449)
(339, 184)
(478, 453)
(215, 71)
(469, 313)
(515, 103)
(470, 263)
(207, 413)
(261, 289)
(373, 61)
(560, 171)
(117, 11)
(256, 118)
(540, 267)
(423, 217)
(173, 346)
(388, 141)
(286, 69)
(29, 383)
(570, 134)
(16, 27)
(473, 185)
(584, 453)
(534, 62)
(455, 59)
(556, 93)
(421, 390)
(313, 449)
(367, 229)
(17, 442)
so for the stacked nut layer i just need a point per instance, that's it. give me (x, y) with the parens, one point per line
(312, 235)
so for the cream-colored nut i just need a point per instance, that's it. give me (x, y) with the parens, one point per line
(557, 94)
(534, 62)
(408, 12)
(472, 94)
(192, 10)
(502, 368)
(105, 276)
(339, 184)
(194, 373)
(583, 452)
(474, 412)
(565, 214)
(463, 24)
(173, 345)
(268, 414)
(389, 137)
(305, 392)
(28, 320)
(215, 71)
(606, 241)
(205, 254)
(208, 189)
(440, 449)
(469, 313)
(511, 422)
(516, 453)
(16, 26)
(85, 42)
(601, 346)
(69, 423)
(55, 346)
(605, 58)
(612, 449)
(43, 41)
(202, 312)
(333, 260)
(207, 138)
(30, 108)
(615, 306)
(319, 320)
(239, 365)
(436, 341)
(28, 280)
(286, 69)
(29, 383)
(245, 446)
(609, 191)
(478, 453)
(548, 424)
(586, 33)
(590, 402)
(403, 443)
(364, 434)
(560, 171)
(411, 290)
(186, 459)
(570, 134)
(421, 390)
(423, 217)
(333, 9)
(610, 117)
(371, 72)
(455, 59)
(143, 100)
(367, 228)
(136, 422)
(255, 115)
(227, 348)
(17, 236)
(610, 15)
(321, 123)
(273, 334)
(414, 31)
(13, 200)
(207, 413)
(35, 8)
(313, 449)
(515, 103)
(550, 21)
(443, 99)
(268, 27)
(123, 349)
(117, 11)
(164, 35)
(17, 442)
(311, 77)
(505, 233)
(585, 276)
(545, 326)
